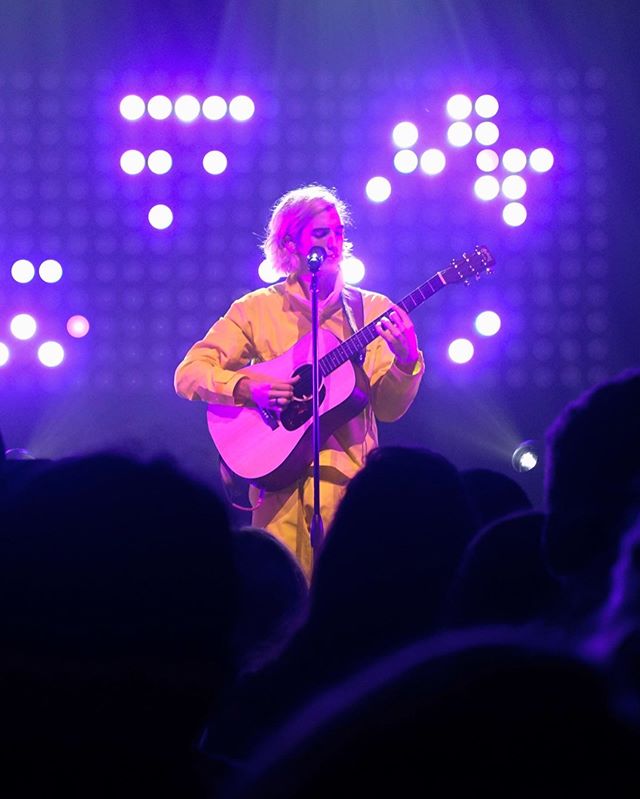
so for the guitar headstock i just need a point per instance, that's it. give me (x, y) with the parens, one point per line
(474, 264)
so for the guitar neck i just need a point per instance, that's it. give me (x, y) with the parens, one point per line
(356, 343)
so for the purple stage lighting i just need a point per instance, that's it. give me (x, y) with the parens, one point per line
(486, 106)
(23, 326)
(187, 108)
(432, 161)
(132, 107)
(405, 161)
(460, 350)
(159, 162)
(352, 270)
(541, 159)
(23, 271)
(4, 354)
(214, 108)
(514, 160)
(50, 354)
(132, 162)
(405, 135)
(487, 323)
(241, 108)
(514, 187)
(378, 189)
(159, 107)
(160, 216)
(459, 106)
(486, 187)
(50, 271)
(487, 133)
(214, 162)
(77, 326)
(459, 134)
(487, 160)
(514, 214)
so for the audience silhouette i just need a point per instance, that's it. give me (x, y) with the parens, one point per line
(452, 637)
(483, 711)
(493, 495)
(592, 487)
(380, 582)
(118, 590)
(272, 597)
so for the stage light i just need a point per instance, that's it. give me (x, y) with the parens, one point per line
(459, 106)
(378, 189)
(214, 108)
(405, 161)
(459, 134)
(160, 216)
(132, 107)
(432, 161)
(4, 354)
(241, 108)
(77, 326)
(186, 108)
(267, 272)
(487, 323)
(525, 456)
(50, 354)
(23, 326)
(50, 271)
(486, 106)
(159, 162)
(514, 187)
(132, 162)
(486, 187)
(487, 133)
(159, 107)
(514, 214)
(23, 271)
(214, 162)
(514, 159)
(487, 160)
(404, 135)
(541, 159)
(352, 270)
(461, 350)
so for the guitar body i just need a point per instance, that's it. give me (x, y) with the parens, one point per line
(271, 452)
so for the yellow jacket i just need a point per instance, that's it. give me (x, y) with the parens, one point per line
(265, 323)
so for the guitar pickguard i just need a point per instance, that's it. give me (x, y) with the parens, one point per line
(300, 409)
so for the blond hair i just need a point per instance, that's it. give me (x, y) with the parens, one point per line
(289, 216)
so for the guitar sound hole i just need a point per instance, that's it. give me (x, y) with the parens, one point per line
(300, 409)
(302, 390)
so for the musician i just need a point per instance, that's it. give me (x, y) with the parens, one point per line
(267, 322)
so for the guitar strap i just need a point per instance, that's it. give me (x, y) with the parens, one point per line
(232, 485)
(353, 307)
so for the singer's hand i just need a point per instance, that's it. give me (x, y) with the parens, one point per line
(396, 328)
(272, 394)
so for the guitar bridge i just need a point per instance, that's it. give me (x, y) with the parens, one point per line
(269, 418)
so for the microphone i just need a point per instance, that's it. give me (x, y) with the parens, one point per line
(315, 258)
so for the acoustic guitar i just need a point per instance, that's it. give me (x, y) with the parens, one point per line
(273, 451)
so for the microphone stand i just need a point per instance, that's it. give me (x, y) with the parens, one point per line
(314, 261)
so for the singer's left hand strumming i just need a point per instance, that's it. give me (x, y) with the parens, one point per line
(396, 328)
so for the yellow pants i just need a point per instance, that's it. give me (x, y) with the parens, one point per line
(287, 514)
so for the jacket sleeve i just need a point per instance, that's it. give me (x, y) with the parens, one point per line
(392, 390)
(209, 370)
